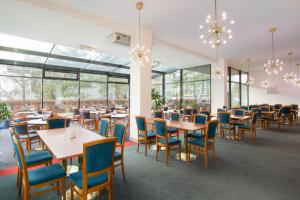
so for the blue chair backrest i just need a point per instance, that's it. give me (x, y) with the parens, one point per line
(221, 110)
(85, 115)
(239, 112)
(99, 156)
(140, 122)
(224, 118)
(103, 127)
(20, 128)
(245, 107)
(119, 132)
(56, 123)
(200, 119)
(175, 116)
(160, 127)
(256, 110)
(16, 150)
(158, 114)
(205, 113)
(285, 110)
(254, 118)
(212, 128)
(188, 111)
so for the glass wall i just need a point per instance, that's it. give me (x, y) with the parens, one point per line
(237, 88)
(189, 87)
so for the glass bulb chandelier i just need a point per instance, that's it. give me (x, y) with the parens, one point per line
(297, 79)
(139, 54)
(216, 30)
(290, 76)
(217, 72)
(265, 83)
(250, 80)
(273, 65)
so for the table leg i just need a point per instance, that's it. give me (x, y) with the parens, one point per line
(184, 155)
(69, 169)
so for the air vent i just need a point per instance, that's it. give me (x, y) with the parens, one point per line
(119, 38)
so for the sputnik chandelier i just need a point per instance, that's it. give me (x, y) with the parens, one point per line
(290, 77)
(297, 80)
(216, 30)
(139, 54)
(250, 80)
(265, 84)
(273, 65)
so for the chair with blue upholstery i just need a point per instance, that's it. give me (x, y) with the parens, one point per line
(225, 125)
(187, 114)
(25, 135)
(198, 119)
(143, 133)
(286, 114)
(239, 112)
(97, 169)
(53, 123)
(104, 125)
(174, 132)
(221, 110)
(249, 127)
(245, 107)
(206, 113)
(40, 177)
(163, 139)
(158, 114)
(86, 120)
(120, 133)
(32, 159)
(205, 144)
(261, 122)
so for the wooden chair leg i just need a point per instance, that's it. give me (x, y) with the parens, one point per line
(205, 159)
(138, 145)
(179, 151)
(57, 188)
(110, 192)
(157, 150)
(189, 152)
(123, 171)
(146, 143)
(167, 155)
(63, 185)
(71, 190)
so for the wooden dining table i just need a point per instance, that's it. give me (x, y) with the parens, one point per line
(63, 146)
(186, 127)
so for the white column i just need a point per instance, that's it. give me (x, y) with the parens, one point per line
(140, 85)
(219, 88)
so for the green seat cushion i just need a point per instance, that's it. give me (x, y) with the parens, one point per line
(198, 142)
(45, 174)
(36, 157)
(195, 134)
(170, 141)
(172, 130)
(92, 181)
(227, 126)
(149, 134)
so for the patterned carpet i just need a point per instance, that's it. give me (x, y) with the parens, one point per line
(266, 170)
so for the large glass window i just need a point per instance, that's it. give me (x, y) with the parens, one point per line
(118, 95)
(172, 89)
(237, 88)
(157, 83)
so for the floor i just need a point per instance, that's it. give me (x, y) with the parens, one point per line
(269, 169)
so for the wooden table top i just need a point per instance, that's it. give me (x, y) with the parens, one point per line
(62, 146)
(237, 117)
(37, 122)
(182, 125)
(267, 112)
(119, 115)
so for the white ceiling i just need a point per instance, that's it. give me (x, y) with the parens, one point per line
(177, 22)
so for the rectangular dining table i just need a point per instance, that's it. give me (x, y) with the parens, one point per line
(63, 146)
(186, 127)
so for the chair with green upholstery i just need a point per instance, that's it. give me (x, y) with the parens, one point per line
(206, 113)
(205, 144)
(286, 114)
(97, 169)
(120, 133)
(52, 176)
(54, 123)
(25, 135)
(143, 134)
(198, 119)
(32, 159)
(163, 139)
(104, 125)
(249, 127)
(225, 125)
(174, 132)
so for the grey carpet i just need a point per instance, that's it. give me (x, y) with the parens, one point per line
(266, 170)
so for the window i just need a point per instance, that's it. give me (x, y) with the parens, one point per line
(62, 75)
(92, 94)
(172, 89)
(118, 95)
(157, 82)
(237, 88)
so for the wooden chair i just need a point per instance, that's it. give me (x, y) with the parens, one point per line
(53, 123)
(25, 135)
(205, 113)
(104, 125)
(198, 119)
(33, 159)
(163, 139)
(174, 132)
(158, 114)
(41, 177)
(86, 120)
(120, 133)
(287, 115)
(205, 144)
(249, 128)
(76, 115)
(226, 125)
(187, 114)
(97, 169)
(143, 133)
(275, 119)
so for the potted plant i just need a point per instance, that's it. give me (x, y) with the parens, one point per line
(4, 115)
(157, 100)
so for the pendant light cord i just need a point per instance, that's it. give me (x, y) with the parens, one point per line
(139, 27)
(216, 14)
(217, 56)
(273, 45)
